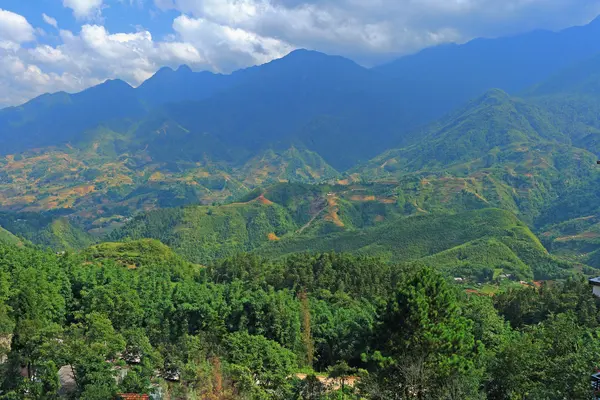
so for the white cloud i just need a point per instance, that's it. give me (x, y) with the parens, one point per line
(88, 58)
(14, 28)
(47, 55)
(84, 8)
(184, 53)
(226, 48)
(367, 28)
(50, 21)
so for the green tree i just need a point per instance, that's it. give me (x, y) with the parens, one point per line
(91, 348)
(271, 365)
(426, 336)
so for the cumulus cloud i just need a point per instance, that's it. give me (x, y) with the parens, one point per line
(226, 48)
(84, 8)
(366, 28)
(49, 20)
(14, 29)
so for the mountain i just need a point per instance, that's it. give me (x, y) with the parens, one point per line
(572, 96)
(321, 102)
(205, 233)
(442, 78)
(291, 165)
(329, 104)
(103, 183)
(56, 119)
(466, 243)
(475, 135)
(187, 137)
(169, 86)
(499, 152)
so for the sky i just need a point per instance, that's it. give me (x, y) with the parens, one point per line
(53, 45)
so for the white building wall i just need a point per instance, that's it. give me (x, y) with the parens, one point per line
(596, 291)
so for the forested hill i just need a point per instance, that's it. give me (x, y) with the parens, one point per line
(134, 318)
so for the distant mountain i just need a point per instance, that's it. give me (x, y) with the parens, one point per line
(476, 134)
(169, 86)
(442, 78)
(582, 78)
(327, 104)
(56, 119)
(572, 97)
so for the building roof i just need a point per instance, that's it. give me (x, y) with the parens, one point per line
(595, 281)
(133, 396)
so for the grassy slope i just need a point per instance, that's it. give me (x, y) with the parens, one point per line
(500, 237)
(58, 233)
(8, 238)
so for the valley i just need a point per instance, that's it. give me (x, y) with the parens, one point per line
(426, 226)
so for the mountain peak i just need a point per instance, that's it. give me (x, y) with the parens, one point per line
(304, 55)
(164, 71)
(117, 83)
(184, 69)
(110, 85)
(496, 94)
(493, 97)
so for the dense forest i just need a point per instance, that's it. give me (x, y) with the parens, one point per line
(136, 318)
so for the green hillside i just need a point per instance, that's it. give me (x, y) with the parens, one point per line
(306, 218)
(205, 233)
(476, 241)
(8, 238)
(483, 133)
(47, 230)
(135, 254)
(109, 176)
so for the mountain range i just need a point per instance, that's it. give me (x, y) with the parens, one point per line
(313, 151)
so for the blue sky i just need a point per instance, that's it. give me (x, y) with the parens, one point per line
(52, 45)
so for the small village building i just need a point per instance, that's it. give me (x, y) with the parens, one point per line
(595, 282)
(133, 396)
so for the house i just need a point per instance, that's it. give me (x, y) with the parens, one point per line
(595, 282)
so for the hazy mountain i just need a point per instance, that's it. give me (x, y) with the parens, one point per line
(183, 84)
(572, 97)
(55, 119)
(328, 104)
(441, 78)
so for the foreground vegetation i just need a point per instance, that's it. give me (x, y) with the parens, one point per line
(137, 318)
